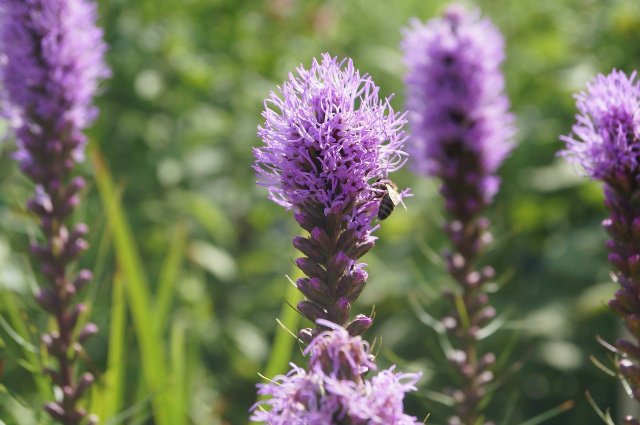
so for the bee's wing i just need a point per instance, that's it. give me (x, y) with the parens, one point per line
(393, 195)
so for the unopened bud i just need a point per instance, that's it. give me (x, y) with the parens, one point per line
(85, 382)
(311, 311)
(340, 310)
(308, 248)
(311, 268)
(56, 411)
(339, 263)
(359, 325)
(87, 332)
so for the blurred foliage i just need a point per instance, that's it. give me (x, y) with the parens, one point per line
(178, 120)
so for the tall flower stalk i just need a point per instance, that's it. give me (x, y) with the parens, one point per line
(330, 145)
(605, 142)
(329, 142)
(50, 65)
(461, 133)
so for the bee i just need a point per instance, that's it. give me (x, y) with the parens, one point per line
(390, 198)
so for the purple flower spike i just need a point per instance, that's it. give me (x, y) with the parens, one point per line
(335, 389)
(329, 146)
(455, 95)
(461, 133)
(51, 62)
(606, 133)
(606, 143)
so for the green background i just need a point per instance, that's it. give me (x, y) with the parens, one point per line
(178, 120)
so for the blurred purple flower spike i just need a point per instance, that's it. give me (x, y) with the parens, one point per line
(605, 142)
(51, 62)
(461, 133)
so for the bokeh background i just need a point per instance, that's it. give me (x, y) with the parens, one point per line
(178, 120)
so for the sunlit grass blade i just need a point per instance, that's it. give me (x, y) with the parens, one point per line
(169, 275)
(12, 338)
(114, 377)
(283, 342)
(178, 372)
(137, 292)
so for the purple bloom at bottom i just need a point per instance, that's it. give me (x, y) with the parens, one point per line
(334, 390)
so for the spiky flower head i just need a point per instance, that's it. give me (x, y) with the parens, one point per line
(327, 139)
(605, 139)
(335, 390)
(51, 61)
(455, 96)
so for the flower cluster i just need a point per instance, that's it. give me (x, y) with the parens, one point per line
(330, 144)
(606, 142)
(334, 389)
(51, 61)
(455, 96)
(328, 139)
(607, 130)
(461, 133)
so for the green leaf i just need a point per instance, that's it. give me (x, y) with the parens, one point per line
(169, 276)
(17, 336)
(178, 372)
(114, 377)
(137, 291)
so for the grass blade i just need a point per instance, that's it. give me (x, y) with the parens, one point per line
(283, 342)
(137, 291)
(178, 372)
(116, 363)
(169, 275)
(550, 413)
(19, 329)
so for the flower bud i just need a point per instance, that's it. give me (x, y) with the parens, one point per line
(340, 311)
(56, 411)
(87, 332)
(339, 263)
(84, 276)
(311, 311)
(304, 221)
(311, 268)
(359, 325)
(347, 239)
(308, 248)
(313, 289)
